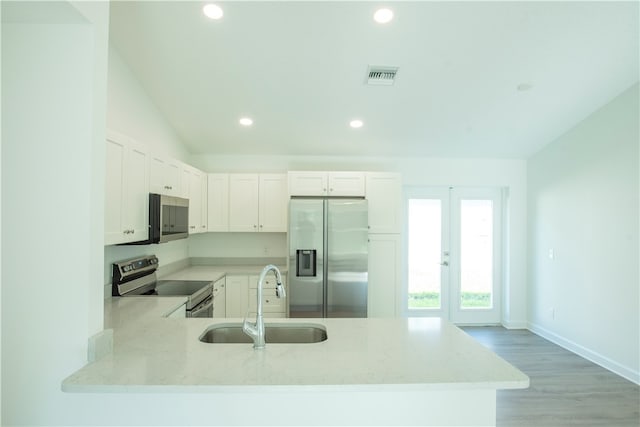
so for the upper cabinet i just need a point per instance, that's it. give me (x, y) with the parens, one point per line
(126, 190)
(258, 202)
(166, 176)
(243, 202)
(384, 194)
(195, 182)
(273, 202)
(218, 202)
(338, 184)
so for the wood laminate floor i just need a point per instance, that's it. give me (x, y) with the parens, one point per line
(566, 389)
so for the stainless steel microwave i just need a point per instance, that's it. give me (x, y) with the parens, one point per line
(168, 219)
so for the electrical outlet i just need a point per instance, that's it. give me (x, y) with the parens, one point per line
(551, 254)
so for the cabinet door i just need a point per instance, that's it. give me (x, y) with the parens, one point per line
(218, 202)
(219, 299)
(126, 191)
(237, 296)
(203, 202)
(114, 192)
(243, 202)
(165, 176)
(384, 194)
(384, 275)
(136, 181)
(308, 183)
(273, 202)
(194, 179)
(346, 184)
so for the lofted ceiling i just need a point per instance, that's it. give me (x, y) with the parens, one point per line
(475, 79)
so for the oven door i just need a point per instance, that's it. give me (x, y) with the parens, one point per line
(204, 309)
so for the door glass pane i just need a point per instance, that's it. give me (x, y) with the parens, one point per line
(425, 240)
(476, 254)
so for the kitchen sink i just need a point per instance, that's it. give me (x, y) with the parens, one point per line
(274, 333)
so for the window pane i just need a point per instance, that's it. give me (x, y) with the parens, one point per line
(476, 254)
(425, 238)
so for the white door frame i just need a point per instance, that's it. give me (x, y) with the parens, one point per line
(450, 198)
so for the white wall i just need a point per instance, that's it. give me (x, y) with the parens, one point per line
(583, 205)
(509, 174)
(131, 111)
(54, 96)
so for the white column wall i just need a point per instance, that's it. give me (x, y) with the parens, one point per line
(53, 101)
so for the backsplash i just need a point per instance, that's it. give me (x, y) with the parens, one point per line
(238, 245)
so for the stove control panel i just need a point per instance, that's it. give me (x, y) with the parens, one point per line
(135, 266)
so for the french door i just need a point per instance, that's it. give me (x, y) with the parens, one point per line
(454, 253)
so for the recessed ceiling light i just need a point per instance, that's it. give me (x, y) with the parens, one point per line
(356, 124)
(382, 16)
(246, 121)
(212, 11)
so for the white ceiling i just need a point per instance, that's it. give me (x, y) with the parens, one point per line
(298, 69)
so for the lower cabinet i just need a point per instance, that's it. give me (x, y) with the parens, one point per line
(384, 275)
(242, 297)
(220, 298)
(237, 296)
(272, 306)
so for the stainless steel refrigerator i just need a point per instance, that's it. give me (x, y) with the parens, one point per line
(328, 257)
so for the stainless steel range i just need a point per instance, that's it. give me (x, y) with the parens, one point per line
(137, 277)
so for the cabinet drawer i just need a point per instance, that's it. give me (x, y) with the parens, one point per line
(270, 302)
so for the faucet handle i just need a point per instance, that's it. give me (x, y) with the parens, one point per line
(280, 292)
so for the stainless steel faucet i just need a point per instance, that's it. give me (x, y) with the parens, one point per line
(256, 330)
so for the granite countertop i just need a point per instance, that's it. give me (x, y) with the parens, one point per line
(152, 353)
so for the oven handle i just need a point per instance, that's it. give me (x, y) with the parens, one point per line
(203, 306)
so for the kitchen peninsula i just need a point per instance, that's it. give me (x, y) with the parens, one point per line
(415, 371)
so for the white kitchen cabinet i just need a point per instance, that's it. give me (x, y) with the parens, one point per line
(126, 190)
(219, 298)
(236, 295)
(204, 182)
(273, 203)
(308, 183)
(258, 202)
(218, 202)
(384, 275)
(194, 180)
(166, 176)
(339, 184)
(243, 202)
(384, 196)
(272, 306)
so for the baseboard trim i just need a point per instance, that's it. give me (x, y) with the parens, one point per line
(597, 358)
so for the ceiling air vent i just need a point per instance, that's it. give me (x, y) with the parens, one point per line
(381, 75)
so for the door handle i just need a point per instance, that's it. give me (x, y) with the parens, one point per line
(444, 263)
